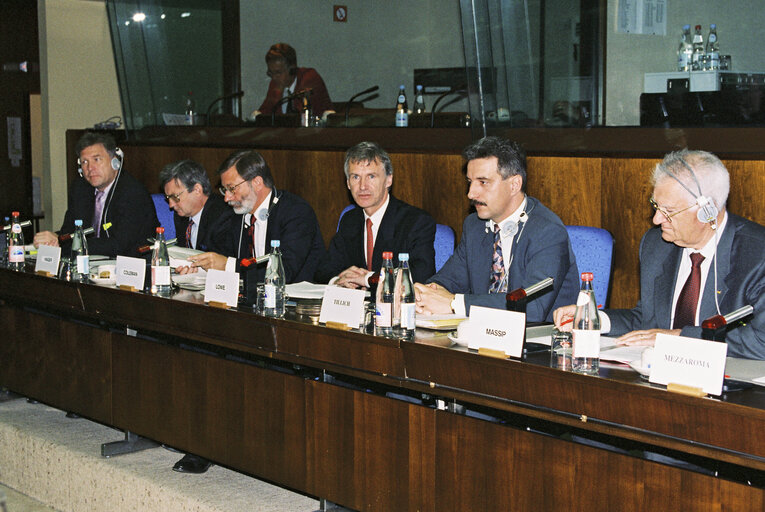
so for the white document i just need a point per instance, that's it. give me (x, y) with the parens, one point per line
(497, 329)
(131, 272)
(305, 290)
(47, 259)
(222, 286)
(689, 361)
(342, 305)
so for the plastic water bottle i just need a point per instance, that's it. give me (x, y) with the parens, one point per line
(713, 48)
(404, 316)
(419, 101)
(160, 266)
(402, 109)
(274, 287)
(698, 49)
(191, 110)
(306, 112)
(79, 254)
(685, 50)
(385, 297)
(16, 244)
(586, 330)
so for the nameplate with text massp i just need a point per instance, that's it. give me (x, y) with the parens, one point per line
(221, 286)
(47, 259)
(130, 272)
(342, 305)
(689, 361)
(497, 329)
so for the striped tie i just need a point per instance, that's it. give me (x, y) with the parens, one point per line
(188, 234)
(498, 282)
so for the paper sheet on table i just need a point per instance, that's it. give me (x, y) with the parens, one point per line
(440, 322)
(610, 351)
(747, 370)
(305, 290)
(181, 253)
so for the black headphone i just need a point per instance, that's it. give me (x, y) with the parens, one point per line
(119, 156)
(708, 211)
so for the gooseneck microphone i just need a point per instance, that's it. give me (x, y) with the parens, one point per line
(303, 92)
(461, 92)
(237, 94)
(362, 93)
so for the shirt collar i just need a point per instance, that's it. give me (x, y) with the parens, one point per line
(265, 205)
(513, 217)
(197, 218)
(708, 251)
(379, 214)
(107, 189)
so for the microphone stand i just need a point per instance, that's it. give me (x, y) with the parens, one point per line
(237, 94)
(287, 98)
(461, 92)
(348, 104)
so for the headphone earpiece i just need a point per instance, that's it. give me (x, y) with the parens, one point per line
(117, 160)
(707, 210)
(79, 168)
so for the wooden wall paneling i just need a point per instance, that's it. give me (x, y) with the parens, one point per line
(747, 189)
(570, 187)
(67, 365)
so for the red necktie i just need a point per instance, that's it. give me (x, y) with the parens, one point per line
(188, 233)
(370, 244)
(251, 236)
(685, 310)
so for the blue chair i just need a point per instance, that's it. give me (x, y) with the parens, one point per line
(594, 250)
(164, 214)
(443, 243)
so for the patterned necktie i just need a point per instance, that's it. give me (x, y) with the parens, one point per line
(188, 234)
(498, 282)
(370, 244)
(97, 211)
(687, 301)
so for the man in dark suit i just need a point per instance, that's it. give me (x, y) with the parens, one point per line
(393, 225)
(695, 239)
(263, 213)
(288, 78)
(512, 241)
(107, 198)
(201, 218)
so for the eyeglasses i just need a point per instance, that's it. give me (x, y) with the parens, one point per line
(174, 197)
(230, 189)
(664, 212)
(270, 73)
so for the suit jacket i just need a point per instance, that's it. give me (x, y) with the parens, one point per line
(292, 221)
(307, 78)
(404, 228)
(128, 208)
(540, 249)
(213, 224)
(740, 281)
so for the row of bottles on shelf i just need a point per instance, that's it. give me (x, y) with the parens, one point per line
(402, 106)
(694, 55)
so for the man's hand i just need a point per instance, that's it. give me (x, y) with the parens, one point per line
(45, 238)
(433, 299)
(646, 337)
(564, 314)
(353, 277)
(207, 261)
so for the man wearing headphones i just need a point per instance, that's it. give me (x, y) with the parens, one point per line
(107, 198)
(697, 262)
(263, 214)
(511, 241)
(287, 78)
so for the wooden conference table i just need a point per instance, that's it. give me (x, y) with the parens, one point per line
(321, 411)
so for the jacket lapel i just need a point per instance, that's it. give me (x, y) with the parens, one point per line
(664, 284)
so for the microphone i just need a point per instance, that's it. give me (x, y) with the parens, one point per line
(68, 236)
(289, 97)
(516, 299)
(246, 262)
(237, 94)
(146, 248)
(23, 224)
(461, 92)
(362, 93)
(712, 327)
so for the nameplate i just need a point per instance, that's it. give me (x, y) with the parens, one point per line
(690, 362)
(496, 329)
(47, 259)
(222, 286)
(131, 272)
(342, 306)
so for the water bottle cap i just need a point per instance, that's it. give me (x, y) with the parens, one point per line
(713, 26)
(387, 255)
(160, 230)
(403, 256)
(275, 243)
(15, 214)
(586, 276)
(401, 87)
(419, 87)
(698, 27)
(78, 222)
(686, 27)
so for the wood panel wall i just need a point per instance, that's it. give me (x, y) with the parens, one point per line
(602, 191)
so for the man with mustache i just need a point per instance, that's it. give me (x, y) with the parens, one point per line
(511, 241)
(263, 213)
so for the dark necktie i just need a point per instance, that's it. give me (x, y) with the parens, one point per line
(188, 234)
(97, 211)
(687, 302)
(370, 244)
(251, 237)
(498, 282)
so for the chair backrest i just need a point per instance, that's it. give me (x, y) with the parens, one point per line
(593, 248)
(164, 214)
(443, 243)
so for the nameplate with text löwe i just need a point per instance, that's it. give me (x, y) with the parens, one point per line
(221, 286)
